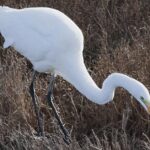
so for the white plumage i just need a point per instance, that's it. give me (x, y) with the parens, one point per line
(52, 42)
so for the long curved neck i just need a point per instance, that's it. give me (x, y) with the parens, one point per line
(77, 74)
(79, 77)
(83, 82)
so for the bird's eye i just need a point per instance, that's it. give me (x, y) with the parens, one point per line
(142, 98)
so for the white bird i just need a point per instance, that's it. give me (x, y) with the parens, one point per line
(54, 44)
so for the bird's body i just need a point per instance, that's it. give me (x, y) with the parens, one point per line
(37, 33)
(52, 42)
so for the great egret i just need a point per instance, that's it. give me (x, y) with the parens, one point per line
(53, 43)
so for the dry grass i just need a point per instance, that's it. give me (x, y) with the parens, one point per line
(117, 39)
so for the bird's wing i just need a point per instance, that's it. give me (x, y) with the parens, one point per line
(37, 21)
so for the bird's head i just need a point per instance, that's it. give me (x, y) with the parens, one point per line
(133, 86)
(143, 96)
(145, 102)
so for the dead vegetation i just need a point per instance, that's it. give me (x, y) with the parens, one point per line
(117, 39)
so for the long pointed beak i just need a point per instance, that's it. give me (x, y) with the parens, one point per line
(146, 104)
(148, 109)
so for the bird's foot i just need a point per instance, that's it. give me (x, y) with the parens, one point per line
(67, 139)
(40, 131)
(39, 134)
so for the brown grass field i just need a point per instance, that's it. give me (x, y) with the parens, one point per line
(117, 39)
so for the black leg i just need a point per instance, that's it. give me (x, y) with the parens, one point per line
(38, 114)
(51, 104)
